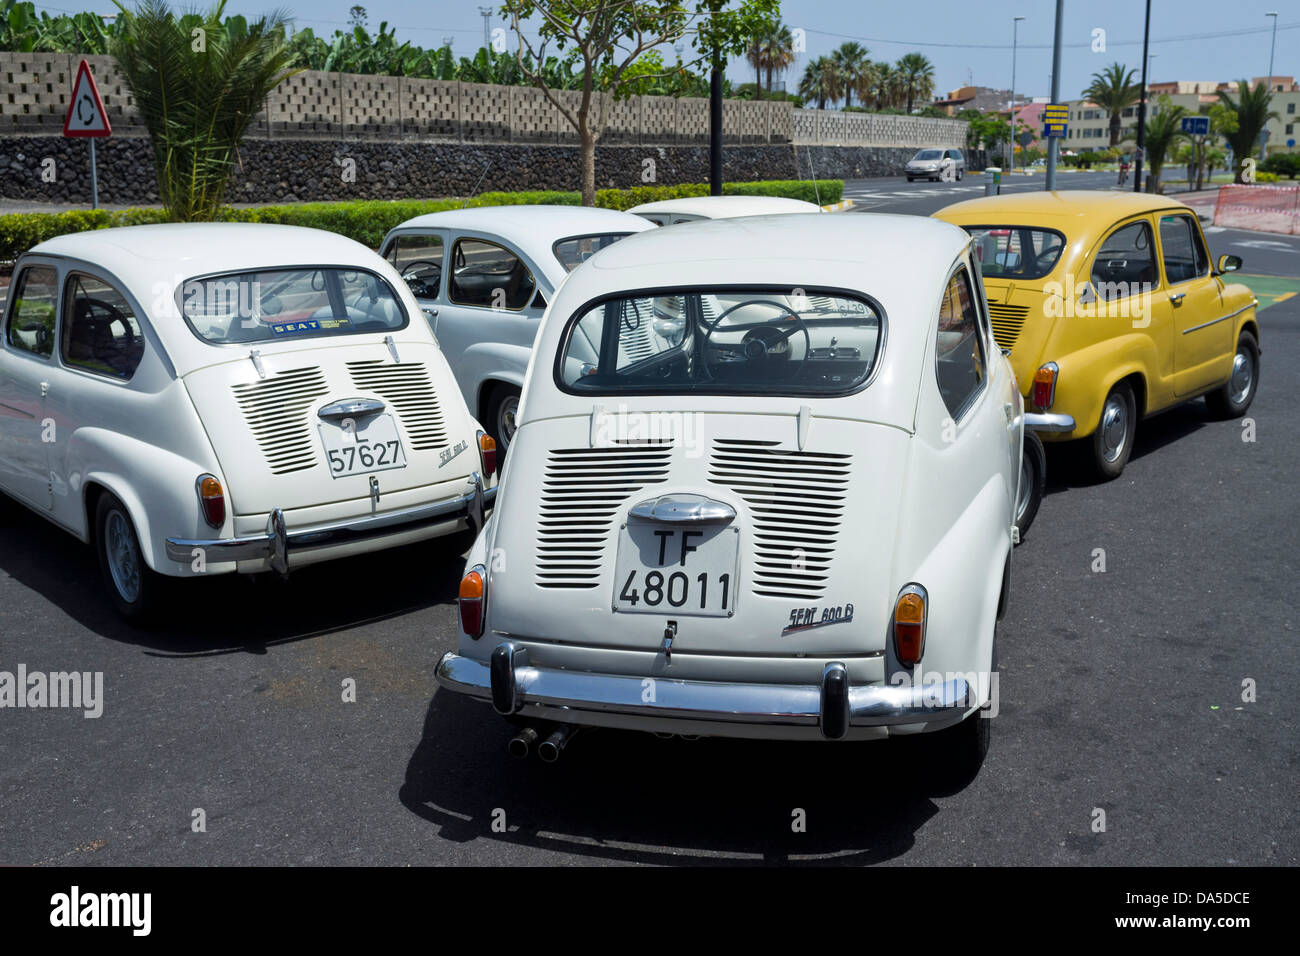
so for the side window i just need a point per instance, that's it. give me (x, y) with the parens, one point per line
(31, 322)
(960, 345)
(100, 332)
(1180, 247)
(489, 275)
(418, 260)
(1125, 261)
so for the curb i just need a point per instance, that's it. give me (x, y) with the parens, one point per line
(838, 206)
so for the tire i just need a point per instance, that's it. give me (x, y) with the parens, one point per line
(502, 408)
(955, 754)
(910, 179)
(132, 587)
(1033, 481)
(1112, 441)
(1232, 400)
(959, 175)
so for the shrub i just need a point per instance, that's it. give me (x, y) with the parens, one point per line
(1282, 164)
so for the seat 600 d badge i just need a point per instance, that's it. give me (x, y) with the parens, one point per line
(808, 618)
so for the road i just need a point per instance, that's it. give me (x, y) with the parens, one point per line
(1121, 692)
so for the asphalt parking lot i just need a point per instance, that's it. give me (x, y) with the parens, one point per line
(1121, 692)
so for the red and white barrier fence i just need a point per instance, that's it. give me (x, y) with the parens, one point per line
(1265, 208)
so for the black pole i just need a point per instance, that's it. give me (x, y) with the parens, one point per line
(715, 129)
(1142, 105)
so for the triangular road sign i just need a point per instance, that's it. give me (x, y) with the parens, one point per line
(86, 113)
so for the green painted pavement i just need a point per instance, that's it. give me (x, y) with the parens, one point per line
(1270, 290)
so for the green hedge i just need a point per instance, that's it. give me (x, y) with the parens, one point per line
(367, 221)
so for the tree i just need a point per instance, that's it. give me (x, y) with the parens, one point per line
(357, 16)
(916, 73)
(850, 61)
(1252, 115)
(780, 51)
(1163, 131)
(197, 81)
(1113, 90)
(608, 36)
(818, 82)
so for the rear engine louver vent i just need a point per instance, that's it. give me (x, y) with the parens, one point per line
(1007, 321)
(582, 490)
(276, 410)
(796, 503)
(408, 389)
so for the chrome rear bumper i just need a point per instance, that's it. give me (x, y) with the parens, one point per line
(278, 542)
(834, 706)
(1049, 422)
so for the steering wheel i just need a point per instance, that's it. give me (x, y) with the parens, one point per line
(114, 317)
(1047, 256)
(756, 349)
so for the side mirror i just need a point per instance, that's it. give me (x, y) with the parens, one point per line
(1228, 263)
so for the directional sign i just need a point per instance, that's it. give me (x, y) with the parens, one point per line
(86, 113)
(1196, 125)
(1055, 118)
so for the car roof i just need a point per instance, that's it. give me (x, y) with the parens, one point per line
(726, 207)
(1076, 207)
(149, 254)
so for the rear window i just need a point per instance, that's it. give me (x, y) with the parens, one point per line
(722, 341)
(574, 252)
(1016, 252)
(289, 304)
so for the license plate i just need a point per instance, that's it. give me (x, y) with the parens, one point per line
(663, 569)
(371, 445)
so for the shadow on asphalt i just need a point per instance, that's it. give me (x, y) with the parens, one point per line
(629, 797)
(228, 613)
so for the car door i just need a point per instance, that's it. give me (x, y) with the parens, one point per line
(26, 364)
(490, 295)
(1202, 340)
(418, 259)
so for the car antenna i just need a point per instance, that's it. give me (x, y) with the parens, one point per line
(816, 192)
(474, 191)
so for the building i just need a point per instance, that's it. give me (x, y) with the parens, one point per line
(1089, 124)
(982, 98)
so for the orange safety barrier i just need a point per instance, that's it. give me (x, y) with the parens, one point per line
(1265, 208)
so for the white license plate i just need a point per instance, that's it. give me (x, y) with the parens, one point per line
(676, 569)
(371, 445)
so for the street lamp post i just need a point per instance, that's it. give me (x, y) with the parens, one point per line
(1011, 137)
(1263, 133)
(1142, 105)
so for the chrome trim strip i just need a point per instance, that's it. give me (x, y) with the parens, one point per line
(278, 543)
(869, 705)
(1231, 315)
(1049, 422)
(683, 509)
(350, 408)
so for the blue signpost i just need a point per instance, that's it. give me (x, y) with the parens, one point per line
(1196, 125)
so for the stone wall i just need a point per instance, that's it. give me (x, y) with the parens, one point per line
(837, 128)
(307, 170)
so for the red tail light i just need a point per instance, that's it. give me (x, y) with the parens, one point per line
(909, 624)
(487, 453)
(212, 499)
(471, 600)
(1043, 391)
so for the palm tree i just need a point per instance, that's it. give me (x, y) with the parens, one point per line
(780, 51)
(1163, 131)
(818, 82)
(197, 103)
(850, 61)
(757, 57)
(917, 76)
(1253, 114)
(888, 86)
(1113, 90)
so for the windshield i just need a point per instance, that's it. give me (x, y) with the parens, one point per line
(574, 252)
(721, 341)
(927, 154)
(1016, 252)
(289, 303)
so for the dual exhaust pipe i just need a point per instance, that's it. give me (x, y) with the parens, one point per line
(548, 750)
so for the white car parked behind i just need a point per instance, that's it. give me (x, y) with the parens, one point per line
(669, 212)
(206, 398)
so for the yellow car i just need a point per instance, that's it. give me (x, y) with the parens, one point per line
(1110, 310)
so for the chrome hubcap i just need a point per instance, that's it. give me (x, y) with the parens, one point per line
(123, 557)
(506, 419)
(1026, 482)
(1243, 377)
(1114, 428)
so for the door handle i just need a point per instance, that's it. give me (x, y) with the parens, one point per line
(1009, 411)
(45, 389)
(431, 313)
(1177, 297)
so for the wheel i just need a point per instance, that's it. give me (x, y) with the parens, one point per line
(132, 586)
(959, 175)
(1112, 442)
(1232, 400)
(911, 179)
(1033, 480)
(955, 754)
(503, 408)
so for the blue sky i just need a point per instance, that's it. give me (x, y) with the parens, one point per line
(967, 41)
